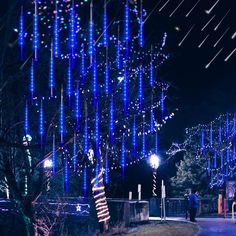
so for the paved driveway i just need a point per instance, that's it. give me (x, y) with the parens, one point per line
(216, 227)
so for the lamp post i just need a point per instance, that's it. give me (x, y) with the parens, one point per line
(154, 161)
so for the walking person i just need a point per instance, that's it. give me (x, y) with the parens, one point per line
(193, 205)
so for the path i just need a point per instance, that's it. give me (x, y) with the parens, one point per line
(210, 226)
(216, 227)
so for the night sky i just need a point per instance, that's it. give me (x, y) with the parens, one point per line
(200, 94)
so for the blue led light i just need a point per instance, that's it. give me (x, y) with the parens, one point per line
(152, 120)
(211, 137)
(118, 48)
(61, 122)
(156, 144)
(107, 79)
(215, 156)
(140, 88)
(56, 35)
(234, 127)
(141, 38)
(202, 139)
(106, 169)
(125, 90)
(77, 107)
(220, 134)
(95, 82)
(227, 125)
(21, 37)
(221, 160)
(82, 70)
(227, 155)
(112, 122)
(91, 36)
(51, 74)
(72, 36)
(26, 121)
(123, 155)
(105, 26)
(86, 136)
(35, 31)
(74, 154)
(209, 166)
(151, 74)
(127, 23)
(54, 155)
(162, 104)
(69, 81)
(66, 174)
(96, 134)
(41, 121)
(144, 152)
(85, 181)
(32, 80)
(134, 139)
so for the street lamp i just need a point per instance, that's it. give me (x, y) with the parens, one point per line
(154, 161)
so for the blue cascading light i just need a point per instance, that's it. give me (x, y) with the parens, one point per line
(118, 49)
(72, 34)
(94, 80)
(112, 122)
(32, 80)
(69, 81)
(21, 36)
(85, 181)
(152, 120)
(140, 88)
(107, 78)
(74, 154)
(234, 126)
(141, 38)
(227, 155)
(215, 160)
(144, 151)
(54, 155)
(51, 74)
(151, 72)
(221, 159)
(41, 121)
(106, 169)
(26, 121)
(127, 23)
(211, 136)
(77, 107)
(156, 144)
(96, 134)
(220, 134)
(125, 91)
(134, 138)
(123, 155)
(105, 26)
(35, 31)
(202, 139)
(227, 125)
(86, 136)
(91, 35)
(56, 38)
(66, 173)
(82, 70)
(162, 104)
(209, 166)
(62, 117)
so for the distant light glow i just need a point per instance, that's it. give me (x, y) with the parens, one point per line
(41, 121)
(112, 122)
(134, 139)
(74, 154)
(54, 155)
(154, 161)
(48, 164)
(86, 136)
(62, 125)
(32, 80)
